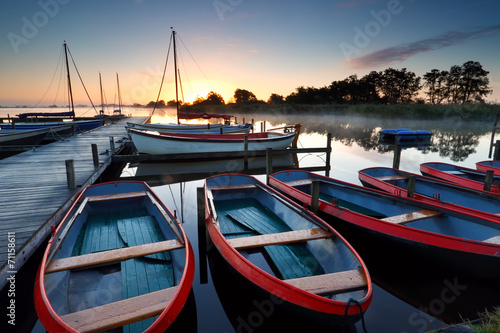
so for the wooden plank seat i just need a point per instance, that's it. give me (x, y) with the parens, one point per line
(117, 196)
(109, 256)
(233, 187)
(412, 216)
(393, 177)
(493, 240)
(279, 238)
(120, 313)
(332, 283)
(299, 182)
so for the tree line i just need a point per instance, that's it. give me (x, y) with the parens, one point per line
(468, 83)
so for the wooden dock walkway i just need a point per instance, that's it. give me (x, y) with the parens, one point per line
(34, 193)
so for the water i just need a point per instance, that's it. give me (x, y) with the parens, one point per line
(408, 297)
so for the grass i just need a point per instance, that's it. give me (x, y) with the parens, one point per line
(489, 323)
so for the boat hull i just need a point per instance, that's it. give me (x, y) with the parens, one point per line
(80, 125)
(77, 289)
(267, 281)
(476, 258)
(459, 175)
(194, 128)
(154, 143)
(433, 191)
(22, 137)
(489, 165)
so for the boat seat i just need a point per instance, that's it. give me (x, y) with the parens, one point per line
(233, 187)
(332, 283)
(393, 177)
(120, 313)
(117, 196)
(493, 240)
(300, 182)
(412, 216)
(109, 256)
(454, 172)
(351, 206)
(279, 238)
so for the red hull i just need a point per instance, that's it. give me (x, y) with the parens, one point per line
(53, 322)
(489, 165)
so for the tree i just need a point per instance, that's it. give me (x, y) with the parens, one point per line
(474, 82)
(212, 99)
(399, 86)
(244, 96)
(275, 99)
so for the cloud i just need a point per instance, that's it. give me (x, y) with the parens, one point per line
(402, 52)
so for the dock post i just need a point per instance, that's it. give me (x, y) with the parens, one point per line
(315, 196)
(112, 144)
(410, 192)
(95, 154)
(269, 163)
(397, 156)
(70, 174)
(496, 154)
(202, 235)
(488, 180)
(245, 148)
(253, 125)
(328, 153)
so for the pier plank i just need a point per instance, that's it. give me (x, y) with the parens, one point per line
(34, 189)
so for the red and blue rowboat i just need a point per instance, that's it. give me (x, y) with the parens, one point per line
(286, 253)
(489, 165)
(462, 176)
(440, 236)
(118, 260)
(483, 204)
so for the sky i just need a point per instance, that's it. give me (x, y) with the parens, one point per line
(266, 47)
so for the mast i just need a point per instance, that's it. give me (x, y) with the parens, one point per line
(119, 94)
(175, 68)
(102, 99)
(70, 93)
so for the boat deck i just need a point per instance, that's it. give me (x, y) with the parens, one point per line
(34, 193)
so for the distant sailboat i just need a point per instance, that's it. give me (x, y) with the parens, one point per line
(117, 113)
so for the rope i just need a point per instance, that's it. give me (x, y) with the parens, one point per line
(163, 77)
(81, 80)
(351, 300)
(51, 81)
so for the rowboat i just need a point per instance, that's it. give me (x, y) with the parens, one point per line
(489, 165)
(79, 125)
(438, 235)
(19, 137)
(465, 177)
(168, 143)
(193, 128)
(293, 257)
(118, 259)
(433, 191)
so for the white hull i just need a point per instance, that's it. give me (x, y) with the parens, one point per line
(153, 143)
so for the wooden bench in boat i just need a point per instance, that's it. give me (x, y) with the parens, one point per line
(120, 313)
(233, 187)
(412, 216)
(109, 256)
(279, 238)
(493, 240)
(394, 177)
(299, 182)
(117, 196)
(332, 283)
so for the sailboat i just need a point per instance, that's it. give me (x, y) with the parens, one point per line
(178, 127)
(80, 125)
(117, 113)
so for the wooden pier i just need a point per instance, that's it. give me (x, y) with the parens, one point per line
(37, 187)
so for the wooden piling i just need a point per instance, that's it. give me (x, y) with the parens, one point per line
(112, 144)
(202, 235)
(328, 153)
(488, 180)
(410, 192)
(245, 148)
(496, 155)
(70, 173)
(315, 196)
(397, 156)
(95, 154)
(269, 163)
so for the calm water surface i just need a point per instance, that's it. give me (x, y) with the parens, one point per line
(408, 297)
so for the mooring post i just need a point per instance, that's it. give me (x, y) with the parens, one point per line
(328, 153)
(245, 148)
(410, 192)
(397, 156)
(70, 174)
(269, 163)
(315, 196)
(112, 144)
(95, 154)
(202, 235)
(488, 180)
(253, 125)
(496, 155)
(236, 120)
